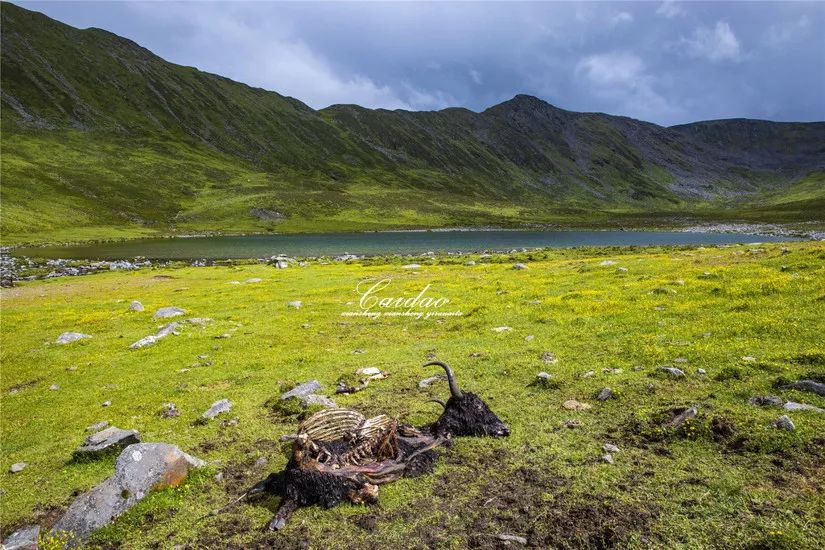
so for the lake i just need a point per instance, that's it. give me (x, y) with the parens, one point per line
(408, 242)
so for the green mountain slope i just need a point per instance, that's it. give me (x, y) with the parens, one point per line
(103, 138)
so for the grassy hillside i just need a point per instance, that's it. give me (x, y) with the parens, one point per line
(102, 138)
(750, 317)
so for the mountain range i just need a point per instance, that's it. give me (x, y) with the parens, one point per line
(102, 138)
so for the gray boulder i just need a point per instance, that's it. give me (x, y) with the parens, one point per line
(519, 266)
(98, 426)
(809, 386)
(69, 337)
(140, 469)
(107, 440)
(17, 467)
(610, 448)
(766, 401)
(218, 407)
(313, 399)
(152, 339)
(23, 539)
(135, 306)
(605, 394)
(791, 406)
(166, 312)
(303, 389)
(673, 371)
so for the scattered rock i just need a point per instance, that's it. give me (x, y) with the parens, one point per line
(748, 359)
(663, 290)
(543, 376)
(502, 329)
(54, 387)
(170, 410)
(612, 371)
(519, 266)
(572, 424)
(573, 405)
(306, 388)
(621, 270)
(673, 371)
(106, 404)
(260, 463)
(218, 407)
(199, 321)
(140, 469)
(253, 280)
(281, 264)
(69, 337)
(606, 394)
(507, 539)
(370, 371)
(607, 263)
(98, 426)
(18, 467)
(470, 263)
(23, 539)
(688, 414)
(766, 401)
(314, 399)
(549, 358)
(427, 382)
(701, 371)
(588, 374)
(135, 306)
(295, 303)
(792, 406)
(807, 385)
(784, 423)
(529, 338)
(410, 266)
(681, 360)
(166, 312)
(218, 477)
(608, 458)
(152, 339)
(610, 448)
(107, 440)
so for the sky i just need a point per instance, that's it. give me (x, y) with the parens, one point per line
(665, 62)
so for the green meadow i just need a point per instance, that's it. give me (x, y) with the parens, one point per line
(750, 316)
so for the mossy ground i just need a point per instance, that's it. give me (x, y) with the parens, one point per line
(730, 482)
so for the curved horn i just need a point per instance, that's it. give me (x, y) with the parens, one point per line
(450, 378)
(439, 401)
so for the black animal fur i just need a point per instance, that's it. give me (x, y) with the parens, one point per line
(468, 415)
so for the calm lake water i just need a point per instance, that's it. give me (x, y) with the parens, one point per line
(328, 244)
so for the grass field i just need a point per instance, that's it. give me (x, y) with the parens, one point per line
(750, 316)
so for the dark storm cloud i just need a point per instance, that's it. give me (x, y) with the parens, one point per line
(664, 62)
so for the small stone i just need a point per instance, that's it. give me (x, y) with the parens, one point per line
(519, 266)
(507, 539)
(473, 355)
(606, 394)
(410, 266)
(610, 448)
(766, 401)
(166, 312)
(680, 360)
(588, 374)
(701, 371)
(23, 539)
(749, 359)
(607, 263)
(170, 410)
(135, 306)
(106, 440)
(784, 423)
(306, 325)
(98, 426)
(688, 414)
(572, 424)
(621, 270)
(302, 389)
(612, 371)
(322, 400)
(529, 338)
(218, 407)
(608, 458)
(663, 290)
(549, 358)
(573, 405)
(54, 387)
(543, 376)
(469, 263)
(792, 406)
(218, 477)
(260, 463)
(253, 280)
(18, 467)
(673, 371)
(295, 303)
(502, 329)
(69, 337)
(427, 382)
(369, 371)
